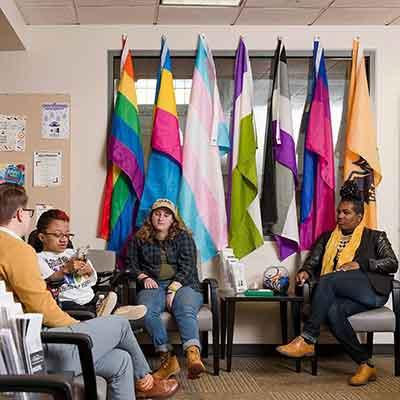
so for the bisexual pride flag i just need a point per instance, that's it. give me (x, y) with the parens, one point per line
(318, 188)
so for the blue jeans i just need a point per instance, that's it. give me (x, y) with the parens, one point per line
(117, 355)
(185, 307)
(338, 296)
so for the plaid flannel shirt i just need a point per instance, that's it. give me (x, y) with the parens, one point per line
(145, 257)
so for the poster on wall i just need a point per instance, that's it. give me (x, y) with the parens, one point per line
(47, 168)
(40, 208)
(12, 173)
(55, 121)
(12, 132)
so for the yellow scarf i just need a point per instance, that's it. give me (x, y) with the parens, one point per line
(347, 254)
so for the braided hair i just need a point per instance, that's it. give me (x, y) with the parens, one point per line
(351, 193)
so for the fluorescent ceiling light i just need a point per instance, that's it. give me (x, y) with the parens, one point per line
(206, 3)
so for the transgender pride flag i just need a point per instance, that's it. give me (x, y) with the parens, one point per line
(318, 189)
(125, 175)
(165, 161)
(201, 201)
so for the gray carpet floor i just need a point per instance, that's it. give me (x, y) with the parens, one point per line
(274, 378)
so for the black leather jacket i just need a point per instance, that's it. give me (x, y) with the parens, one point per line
(374, 255)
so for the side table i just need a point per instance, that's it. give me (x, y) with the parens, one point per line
(228, 306)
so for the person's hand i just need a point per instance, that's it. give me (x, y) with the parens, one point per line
(170, 299)
(84, 269)
(72, 265)
(150, 283)
(302, 277)
(349, 266)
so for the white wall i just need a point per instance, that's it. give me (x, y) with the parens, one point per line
(74, 60)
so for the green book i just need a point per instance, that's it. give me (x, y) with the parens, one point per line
(259, 293)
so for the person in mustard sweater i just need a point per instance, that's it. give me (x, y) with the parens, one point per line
(116, 353)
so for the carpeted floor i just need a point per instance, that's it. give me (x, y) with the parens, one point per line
(274, 378)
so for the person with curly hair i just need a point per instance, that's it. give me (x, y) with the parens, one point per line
(354, 267)
(163, 259)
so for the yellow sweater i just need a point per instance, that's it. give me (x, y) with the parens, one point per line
(20, 270)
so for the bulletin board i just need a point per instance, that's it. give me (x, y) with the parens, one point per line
(30, 106)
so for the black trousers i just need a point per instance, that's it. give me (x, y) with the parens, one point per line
(337, 296)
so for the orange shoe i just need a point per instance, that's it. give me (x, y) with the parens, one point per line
(194, 363)
(160, 389)
(363, 375)
(297, 348)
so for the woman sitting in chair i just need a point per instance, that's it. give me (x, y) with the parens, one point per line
(58, 261)
(162, 256)
(353, 265)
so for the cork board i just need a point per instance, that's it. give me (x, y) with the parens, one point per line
(30, 106)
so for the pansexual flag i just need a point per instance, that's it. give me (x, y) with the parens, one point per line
(165, 161)
(318, 188)
(201, 200)
(125, 175)
(245, 232)
(278, 200)
(361, 158)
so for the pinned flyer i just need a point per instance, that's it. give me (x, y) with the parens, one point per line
(12, 132)
(55, 121)
(47, 168)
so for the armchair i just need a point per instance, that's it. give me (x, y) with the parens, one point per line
(381, 319)
(208, 316)
(87, 386)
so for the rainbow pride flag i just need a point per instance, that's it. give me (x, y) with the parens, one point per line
(165, 161)
(201, 201)
(125, 175)
(318, 188)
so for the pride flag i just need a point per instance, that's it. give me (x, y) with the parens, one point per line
(201, 199)
(361, 158)
(278, 199)
(164, 168)
(318, 188)
(245, 232)
(125, 175)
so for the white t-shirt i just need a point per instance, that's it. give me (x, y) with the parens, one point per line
(76, 288)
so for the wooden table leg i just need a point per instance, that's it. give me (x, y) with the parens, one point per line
(231, 325)
(283, 309)
(223, 329)
(296, 318)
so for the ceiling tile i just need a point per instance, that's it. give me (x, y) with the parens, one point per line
(288, 3)
(366, 3)
(49, 15)
(116, 15)
(114, 3)
(169, 15)
(271, 16)
(44, 3)
(358, 16)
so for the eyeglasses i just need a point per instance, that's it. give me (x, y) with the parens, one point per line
(59, 235)
(31, 211)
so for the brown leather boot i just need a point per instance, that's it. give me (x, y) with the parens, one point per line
(363, 375)
(160, 389)
(169, 366)
(195, 365)
(297, 348)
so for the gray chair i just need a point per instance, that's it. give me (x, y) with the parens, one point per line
(382, 319)
(208, 318)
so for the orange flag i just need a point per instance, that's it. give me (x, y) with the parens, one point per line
(361, 159)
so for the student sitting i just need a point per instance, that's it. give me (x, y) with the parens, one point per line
(116, 353)
(56, 261)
